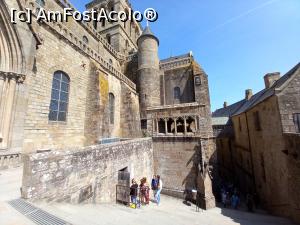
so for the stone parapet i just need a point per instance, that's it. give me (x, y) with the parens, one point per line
(86, 174)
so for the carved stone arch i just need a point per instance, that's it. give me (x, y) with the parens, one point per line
(12, 69)
(12, 57)
(63, 68)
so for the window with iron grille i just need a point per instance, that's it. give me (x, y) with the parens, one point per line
(297, 122)
(59, 97)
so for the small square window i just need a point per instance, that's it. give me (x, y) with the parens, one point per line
(144, 124)
(198, 80)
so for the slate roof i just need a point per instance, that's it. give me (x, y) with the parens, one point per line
(266, 93)
(244, 105)
(147, 32)
(229, 110)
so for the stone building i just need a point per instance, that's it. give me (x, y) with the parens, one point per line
(68, 86)
(265, 153)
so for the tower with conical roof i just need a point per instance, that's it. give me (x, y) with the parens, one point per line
(148, 71)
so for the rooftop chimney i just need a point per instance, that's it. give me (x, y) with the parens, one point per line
(271, 78)
(225, 104)
(248, 94)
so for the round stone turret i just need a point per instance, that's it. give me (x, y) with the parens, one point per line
(148, 71)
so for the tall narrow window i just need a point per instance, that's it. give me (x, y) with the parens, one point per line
(297, 122)
(85, 41)
(59, 97)
(111, 108)
(95, 23)
(177, 93)
(144, 124)
(102, 22)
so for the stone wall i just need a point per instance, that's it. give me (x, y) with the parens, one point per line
(39, 133)
(182, 78)
(178, 160)
(289, 102)
(68, 175)
(292, 141)
(259, 151)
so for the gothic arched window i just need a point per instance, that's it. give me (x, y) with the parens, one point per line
(85, 39)
(177, 93)
(59, 97)
(111, 100)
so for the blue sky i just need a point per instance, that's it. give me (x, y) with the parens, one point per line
(235, 41)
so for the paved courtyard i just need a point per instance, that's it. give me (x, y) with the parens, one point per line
(171, 211)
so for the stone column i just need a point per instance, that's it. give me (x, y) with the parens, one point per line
(166, 126)
(11, 88)
(175, 124)
(185, 128)
(3, 85)
(197, 122)
(8, 83)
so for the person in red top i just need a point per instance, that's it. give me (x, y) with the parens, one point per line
(145, 191)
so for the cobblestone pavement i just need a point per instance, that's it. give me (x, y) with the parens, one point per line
(170, 212)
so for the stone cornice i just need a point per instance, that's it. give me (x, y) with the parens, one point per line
(175, 64)
(20, 78)
(177, 106)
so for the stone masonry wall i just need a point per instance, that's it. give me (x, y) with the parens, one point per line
(55, 55)
(176, 160)
(289, 102)
(85, 175)
(292, 145)
(182, 78)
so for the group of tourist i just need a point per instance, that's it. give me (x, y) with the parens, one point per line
(140, 194)
(230, 196)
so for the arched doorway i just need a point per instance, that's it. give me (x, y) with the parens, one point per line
(11, 72)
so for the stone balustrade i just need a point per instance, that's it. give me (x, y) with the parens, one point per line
(175, 63)
(93, 32)
(10, 161)
(75, 41)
